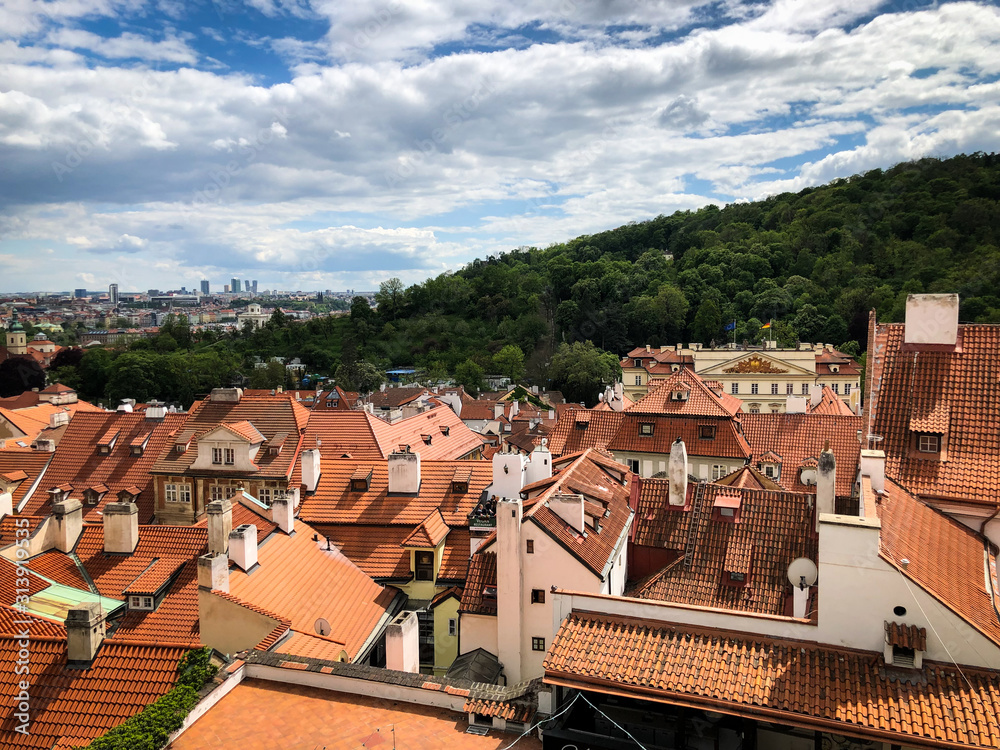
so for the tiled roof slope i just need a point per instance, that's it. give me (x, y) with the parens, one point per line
(429, 532)
(302, 581)
(82, 703)
(796, 437)
(269, 415)
(804, 684)
(77, 462)
(31, 462)
(334, 502)
(775, 528)
(830, 403)
(747, 477)
(393, 397)
(702, 401)
(946, 558)
(727, 443)
(907, 384)
(482, 574)
(579, 429)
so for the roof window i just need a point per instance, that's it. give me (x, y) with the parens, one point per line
(361, 479)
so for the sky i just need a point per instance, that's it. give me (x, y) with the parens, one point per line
(332, 144)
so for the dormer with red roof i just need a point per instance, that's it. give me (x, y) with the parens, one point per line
(231, 447)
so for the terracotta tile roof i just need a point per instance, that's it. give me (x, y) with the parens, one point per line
(13, 621)
(246, 430)
(269, 415)
(578, 429)
(155, 576)
(30, 421)
(904, 385)
(31, 462)
(58, 388)
(9, 573)
(830, 403)
(522, 712)
(906, 636)
(77, 462)
(775, 528)
(482, 409)
(455, 560)
(60, 568)
(727, 443)
(790, 682)
(301, 580)
(83, 703)
(175, 620)
(377, 550)
(282, 627)
(747, 477)
(482, 575)
(429, 532)
(946, 558)
(393, 397)
(312, 646)
(702, 401)
(797, 437)
(334, 502)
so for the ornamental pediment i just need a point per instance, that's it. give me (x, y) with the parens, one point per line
(755, 364)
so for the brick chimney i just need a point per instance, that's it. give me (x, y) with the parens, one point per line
(220, 523)
(84, 634)
(213, 572)
(68, 518)
(677, 474)
(283, 514)
(121, 528)
(826, 483)
(404, 472)
(243, 546)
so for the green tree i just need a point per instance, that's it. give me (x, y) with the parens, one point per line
(390, 298)
(707, 323)
(359, 376)
(470, 375)
(581, 370)
(509, 361)
(271, 375)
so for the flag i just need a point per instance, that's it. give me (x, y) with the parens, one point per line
(730, 326)
(766, 325)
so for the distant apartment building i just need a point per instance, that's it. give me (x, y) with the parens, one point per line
(205, 286)
(113, 295)
(79, 293)
(234, 285)
(253, 286)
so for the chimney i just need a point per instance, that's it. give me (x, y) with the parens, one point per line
(226, 395)
(58, 419)
(795, 405)
(539, 465)
(570, 509)
(404, 472)
(931, 319)
(815, 394)
(283, 514)
(6, 504)
(121, 528)
(213, 572)
(402, 643)
(510, 600)
(156, 410)
(873, 467)
(311, 469)
(508, 474)
(243, 546)
(68, 515)
(220, 523)
(677, 473)
(826, 483)
(84, 634)
(498, 410)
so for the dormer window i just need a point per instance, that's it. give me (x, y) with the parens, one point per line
(424, 565)
(445, 430)
(726, 508)
(927, 443)
(646, 428)
(637, 363)
(361, 479)
(706, 431)
(680, 394)
(426, 439)
(226, 456)
(107, 442)
(904, 645)
(141, 603)
(834, 368)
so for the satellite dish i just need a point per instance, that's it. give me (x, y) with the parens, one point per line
(322, 627)
(802, 572)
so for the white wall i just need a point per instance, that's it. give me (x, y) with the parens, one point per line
(478, 631)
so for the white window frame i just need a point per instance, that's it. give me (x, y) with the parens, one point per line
(230, 455)
(217, 456)
(264, 495)
(805, 389)
(929, 443)
(836, 388)
(216, 492)
(847, 389)
(452, 626)
(719, 471)
(754, 388)
(184, 493)
(638, 379)
(170, 493)
(774, 389)
(735, 389)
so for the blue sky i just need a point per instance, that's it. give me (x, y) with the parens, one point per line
(315, 144)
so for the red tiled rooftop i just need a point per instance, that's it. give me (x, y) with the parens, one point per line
(702, 401)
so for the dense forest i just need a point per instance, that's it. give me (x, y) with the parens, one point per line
(813, 262)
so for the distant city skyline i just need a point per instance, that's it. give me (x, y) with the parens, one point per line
(336, 145)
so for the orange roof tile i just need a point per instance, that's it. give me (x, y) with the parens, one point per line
(578, 429)
(31, 462)
(246, 430)
(60, 568)
(393, 397)
(476, 599)
(701, 401)
(312, 646)
(747, 477)
(728, 441)
(906, 636)
(830, 403)
(429, 533)
(155, 576)
(377, 550)
(819, 687)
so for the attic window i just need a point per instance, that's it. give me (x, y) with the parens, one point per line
(905, 645)
(107, 442)
(681, 394)
(706, 431)
(445, 430)
(903, 657)
(276, 443)
(927, 443)
(834, 368)
(460, 481)
(141, 602)
(361, 479)
(646, 428)
(726, 508)
(426, 439)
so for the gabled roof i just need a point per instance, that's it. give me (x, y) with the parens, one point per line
(804, 684)
(429, 533)
(830, 403)
(31, 462)
(796, 437)
(579, 429)
(747, 477)
(727, 443)
(702, 401)
(77, 462)
(775, 528)
(394, 397)
(243, 429)
(954, 391)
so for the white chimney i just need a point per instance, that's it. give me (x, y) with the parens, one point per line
(84, 634)
(539, 464)
(795, 405)
(311, 469)
(121, 528)
(815, 394)
(510, 600)
(498, 410)
(213, 572)
(508, 474)
(570, 509)
(6, 504)
(156, 410)
(826, 483)
(402, 643)
(243, 546)
(58, 419)
(68, 516)
(873, 467)
(404, 472)
(931, 319)
(283, 514)
(220, 523)
(677, 473)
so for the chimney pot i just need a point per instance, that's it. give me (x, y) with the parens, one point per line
(220, 523)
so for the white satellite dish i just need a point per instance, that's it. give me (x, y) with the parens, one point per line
(322, 627)
(802, 572)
